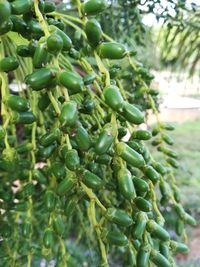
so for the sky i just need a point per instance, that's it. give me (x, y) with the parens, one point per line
(150, 19)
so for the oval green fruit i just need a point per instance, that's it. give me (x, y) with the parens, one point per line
(125, 184)
(157, 230)
(105, 140)
(48, 238)
(93, 32)
(18, 103)
(8, 64)
(117, 238)
(20, 7)
(159, 260)
(111, 50)
(92, 180)
(143, 256)
(119, 217)
(72, 160)
(82, 139)
(54, 43)
(5, 11)
(69, 114)
(143, 204)
(132, 113)
(42, 78)
(94, 7)
(129, 155)
(72, 81)
(113, 97)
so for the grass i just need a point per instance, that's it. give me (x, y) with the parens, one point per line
(187, 144)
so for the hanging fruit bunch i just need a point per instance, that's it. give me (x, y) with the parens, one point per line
(74, 165)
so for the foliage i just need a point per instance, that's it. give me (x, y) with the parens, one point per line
(181, 41)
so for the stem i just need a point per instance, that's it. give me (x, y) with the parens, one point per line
(54, 103)
(41, 19)
(98, 231)
(102, 69)
(92, 196)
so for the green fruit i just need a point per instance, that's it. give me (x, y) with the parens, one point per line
(23, 51)
(41, 56)
(129, 155)
(152, 174)
(143, 256)
(23, 117)
(21, 6)
(72, 160)
(39, 176)
(82, 139)
(157, 230)
(67, 43)
(94, 7)
(24, 147)
(105, 140)
(168, 140)
(8, 64)
(59, 225)
(178, 247)
(17, 103)
(111, 50)
(141, 135)
(132, 114)
(58, 170)
(69, 114)
(48, 238)
(139, 226)
(159, 168)
(65, 186)
(113, 97)
(5, 11)
(116, 238)
(159, 260)
(93, 32)
(54, 43)
(119, 217)
(103, 159)
(49, 200)
(92, 180)
(140, 185)
(72, 81)
(6, 26)
(142, 204)
(49, 7)
(42, 78)
(174, 163)
(43, 102)
(47, 152)
(125, 184)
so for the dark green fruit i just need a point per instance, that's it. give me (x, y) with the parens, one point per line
(119, 217)
(93, 32)
(8, 64)
(113, 97)
(125, 184)
(111, 50)
(94, 7)
(18, 103)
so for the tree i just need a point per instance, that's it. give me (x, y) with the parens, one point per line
(80, 172)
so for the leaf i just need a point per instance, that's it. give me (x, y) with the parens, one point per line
(17, 39)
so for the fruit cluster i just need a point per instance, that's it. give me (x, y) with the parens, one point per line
(74, 165)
